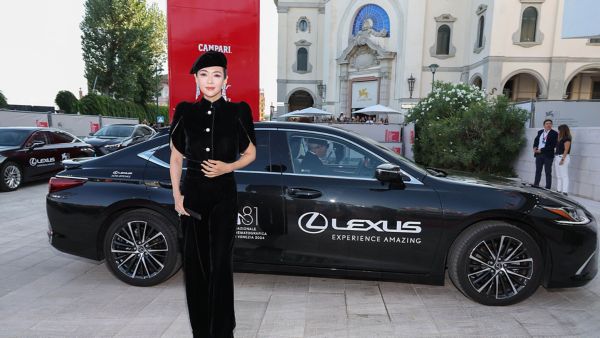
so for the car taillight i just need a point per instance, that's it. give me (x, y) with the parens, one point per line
(62, 183)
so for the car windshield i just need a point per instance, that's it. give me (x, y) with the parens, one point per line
(13, 137)
(115, 131)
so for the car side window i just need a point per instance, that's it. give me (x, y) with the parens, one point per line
(146, 131)
(317, 154)
(164, 154)
(37, 136)
(138, 132)
(263, 160)
(61, 137)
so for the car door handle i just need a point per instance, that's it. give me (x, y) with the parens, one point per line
(304, 193)
(166, 184)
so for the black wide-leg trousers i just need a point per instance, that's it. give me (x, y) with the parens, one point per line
(207, 247)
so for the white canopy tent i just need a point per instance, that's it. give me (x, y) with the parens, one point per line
(376, 110)
(308, 112)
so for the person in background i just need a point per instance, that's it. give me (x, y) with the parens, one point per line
(563, 149)
(311, 163)
(543, 150)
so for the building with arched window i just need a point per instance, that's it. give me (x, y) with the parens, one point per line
(344, 55)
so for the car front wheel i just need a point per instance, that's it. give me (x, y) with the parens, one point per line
(11, 175)
(140, 248)
(495, 263)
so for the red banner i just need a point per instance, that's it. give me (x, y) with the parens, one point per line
(42, 124)
(231, 27)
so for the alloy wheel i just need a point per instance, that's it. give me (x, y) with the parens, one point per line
(12, 176)
(139, 250)
(500, 267)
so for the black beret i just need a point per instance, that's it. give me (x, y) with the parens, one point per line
(209, 59)
(316, 141)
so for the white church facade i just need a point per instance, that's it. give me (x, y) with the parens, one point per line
(344, 55)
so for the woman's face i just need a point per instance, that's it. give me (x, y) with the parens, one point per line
(210, 80)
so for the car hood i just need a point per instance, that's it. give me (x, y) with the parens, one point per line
(97, 141)
(545, 196)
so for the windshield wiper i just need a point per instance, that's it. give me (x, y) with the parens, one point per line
(437, 172)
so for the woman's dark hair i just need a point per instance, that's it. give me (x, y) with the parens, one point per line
(564, 132)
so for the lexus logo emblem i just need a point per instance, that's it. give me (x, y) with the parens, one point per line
(313, 222)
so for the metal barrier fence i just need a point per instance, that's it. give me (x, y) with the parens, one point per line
(79, 125)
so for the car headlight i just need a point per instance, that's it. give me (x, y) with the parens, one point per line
(569, 215)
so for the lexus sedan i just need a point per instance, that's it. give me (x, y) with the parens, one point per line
(366, 213)
(32, 153)
(117, 136)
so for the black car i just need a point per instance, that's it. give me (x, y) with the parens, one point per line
(32, 153)
(370, 214)
(117, 136)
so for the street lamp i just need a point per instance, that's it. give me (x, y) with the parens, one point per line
(272, 111)
(411, 84)
(433, 68)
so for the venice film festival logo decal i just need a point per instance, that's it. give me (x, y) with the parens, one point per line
(247, 224)
(315, 223)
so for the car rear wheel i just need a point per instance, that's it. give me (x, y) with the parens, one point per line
(140, 248)
(11, 175)
(495, 263)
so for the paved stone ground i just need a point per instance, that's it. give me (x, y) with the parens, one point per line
(45, 293)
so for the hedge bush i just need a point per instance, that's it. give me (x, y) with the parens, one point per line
(458, 127)
(3, 102)
(66, 101)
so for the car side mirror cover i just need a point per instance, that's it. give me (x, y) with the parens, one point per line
(37, 144)
(391, 173)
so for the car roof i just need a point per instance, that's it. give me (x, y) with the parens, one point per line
(23, 128)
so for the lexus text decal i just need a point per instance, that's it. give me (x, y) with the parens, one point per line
(361, 230)
(121, 174)
(41, 162)
(247, 224)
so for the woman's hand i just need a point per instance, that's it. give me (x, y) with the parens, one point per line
(562, 161)
(213, 168)
(179, 205)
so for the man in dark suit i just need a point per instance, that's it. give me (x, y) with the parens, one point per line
(543, 150)
(311, 163)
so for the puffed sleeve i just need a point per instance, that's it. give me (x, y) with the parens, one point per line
(177, 132)
(245, 127)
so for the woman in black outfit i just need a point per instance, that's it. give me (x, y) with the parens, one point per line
(210, 134)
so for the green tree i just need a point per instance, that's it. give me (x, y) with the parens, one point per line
(3, 102)
(65, 100)
(458, 127)
(123, 45)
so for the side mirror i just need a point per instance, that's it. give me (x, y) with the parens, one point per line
(37, 144)
(391, 173)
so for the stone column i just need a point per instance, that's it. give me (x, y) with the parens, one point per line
(345, 105)
(556, 83)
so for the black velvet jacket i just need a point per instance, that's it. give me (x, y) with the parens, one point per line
(219, 130)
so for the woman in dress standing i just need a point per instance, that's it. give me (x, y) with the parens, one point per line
(563, 149)
(216, 137)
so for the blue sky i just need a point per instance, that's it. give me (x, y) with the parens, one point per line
(41, 49)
